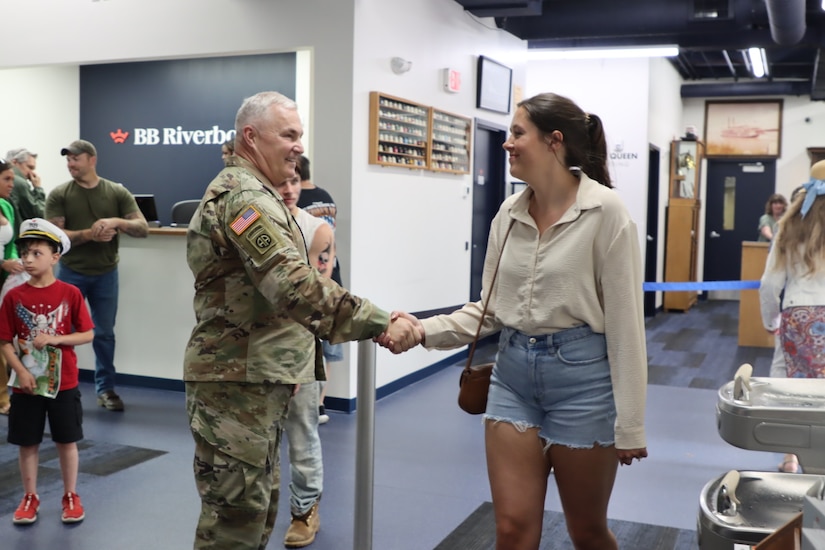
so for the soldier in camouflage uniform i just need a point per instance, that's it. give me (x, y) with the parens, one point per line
(260, 311)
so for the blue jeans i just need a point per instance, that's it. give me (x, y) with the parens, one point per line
(102, 292)
(306, 466)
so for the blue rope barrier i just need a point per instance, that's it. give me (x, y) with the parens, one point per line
(701, 285)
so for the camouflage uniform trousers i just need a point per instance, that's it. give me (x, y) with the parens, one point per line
(237, 432)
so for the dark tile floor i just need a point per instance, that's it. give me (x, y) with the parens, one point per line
(698, 348)
(429, 463)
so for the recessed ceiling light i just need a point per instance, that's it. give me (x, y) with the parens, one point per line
(758, 62)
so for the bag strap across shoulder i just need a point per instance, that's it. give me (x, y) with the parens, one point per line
(489, 295)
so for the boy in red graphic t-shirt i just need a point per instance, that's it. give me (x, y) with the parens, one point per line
(40, 313)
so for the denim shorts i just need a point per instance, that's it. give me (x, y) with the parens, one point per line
(559, 383)
(333, 352)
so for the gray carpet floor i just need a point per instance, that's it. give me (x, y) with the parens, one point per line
(695, 349)
(477, 532)
(699, 348)
(97, 459)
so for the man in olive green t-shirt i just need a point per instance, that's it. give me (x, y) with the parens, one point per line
(93, 211)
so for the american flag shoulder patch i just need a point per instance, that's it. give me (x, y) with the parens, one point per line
(246, 219)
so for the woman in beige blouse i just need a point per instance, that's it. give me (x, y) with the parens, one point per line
(567, 393)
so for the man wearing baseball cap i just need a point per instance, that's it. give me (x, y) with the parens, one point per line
(93, 212)
(78, 147)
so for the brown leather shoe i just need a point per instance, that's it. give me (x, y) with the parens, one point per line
(302, 529)
(110, 400)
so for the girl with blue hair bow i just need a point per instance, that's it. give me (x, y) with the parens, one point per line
(796, 266)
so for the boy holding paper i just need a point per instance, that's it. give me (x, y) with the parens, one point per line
(41, 314)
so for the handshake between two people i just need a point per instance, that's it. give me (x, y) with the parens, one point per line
(403, 333)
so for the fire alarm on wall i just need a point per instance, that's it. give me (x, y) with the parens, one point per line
(451, 80)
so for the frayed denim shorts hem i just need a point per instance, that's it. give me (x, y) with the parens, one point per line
(559, 383)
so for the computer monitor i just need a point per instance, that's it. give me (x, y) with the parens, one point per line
(146, 204)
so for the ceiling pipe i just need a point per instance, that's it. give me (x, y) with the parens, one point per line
(708, 64)
(818, 78)
(570, 24)
(729, 62)
(687, 69)
(502, 8)
(787, 21)
(746, 89)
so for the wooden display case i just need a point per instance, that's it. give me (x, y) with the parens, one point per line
(685, 169)
(751, 330)
(410, 135)
(399, 131)
(683, 209)
(449, 142)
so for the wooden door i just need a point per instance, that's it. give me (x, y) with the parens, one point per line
(489, 165)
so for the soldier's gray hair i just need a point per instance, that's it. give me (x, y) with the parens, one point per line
(19, 155)
(253, 109)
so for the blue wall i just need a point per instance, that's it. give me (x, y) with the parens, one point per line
(158, 126)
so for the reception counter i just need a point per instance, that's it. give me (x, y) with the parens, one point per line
(155, 318)
(155, 315)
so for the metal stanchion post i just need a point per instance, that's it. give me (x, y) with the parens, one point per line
(364, 446)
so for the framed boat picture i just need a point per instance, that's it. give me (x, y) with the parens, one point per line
(743, 129)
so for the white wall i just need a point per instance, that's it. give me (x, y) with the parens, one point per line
(409, 227)
(664, 125)
(793, 167)
(41, 114)
(610, 89)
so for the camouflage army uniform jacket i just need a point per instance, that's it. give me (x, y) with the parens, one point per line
(255, 292)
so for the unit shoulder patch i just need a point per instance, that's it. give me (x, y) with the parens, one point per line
(261, 239)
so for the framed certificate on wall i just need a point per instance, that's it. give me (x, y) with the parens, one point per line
(494, 83)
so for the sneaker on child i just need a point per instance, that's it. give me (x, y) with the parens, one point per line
(323, 417)
(72, 509)
(27, 511)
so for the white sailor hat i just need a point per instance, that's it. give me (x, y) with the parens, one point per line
(38, 228)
